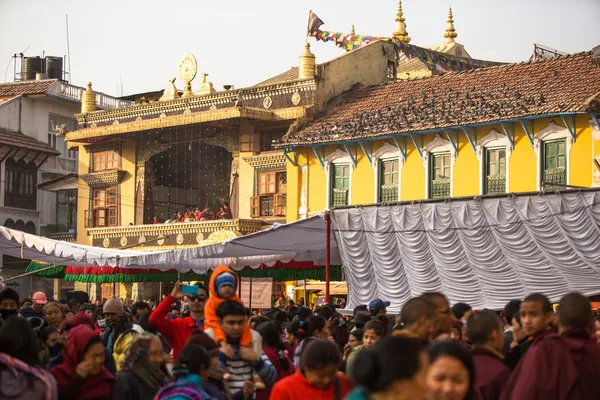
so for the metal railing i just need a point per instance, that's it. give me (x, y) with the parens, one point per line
(340, 197)
(496, 184)
(103, 101)
(389, 193)
(440, 189)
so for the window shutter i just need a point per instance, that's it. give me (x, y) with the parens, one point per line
(278, 204)
(255, 206)
(88, 219)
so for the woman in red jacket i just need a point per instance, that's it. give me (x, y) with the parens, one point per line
(317, 377)
(274, 348)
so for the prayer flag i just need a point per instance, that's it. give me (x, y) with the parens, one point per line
(314, 22)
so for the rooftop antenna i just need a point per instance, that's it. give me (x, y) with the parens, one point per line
(68, 47)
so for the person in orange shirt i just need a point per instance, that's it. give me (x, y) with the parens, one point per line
(223, 285)
(317, 377)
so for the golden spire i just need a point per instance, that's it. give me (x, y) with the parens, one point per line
(307, 66)
(352, 32)
(401, 33)
(88, 100)
(450, 33)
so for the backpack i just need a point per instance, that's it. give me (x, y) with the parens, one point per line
(185, 390)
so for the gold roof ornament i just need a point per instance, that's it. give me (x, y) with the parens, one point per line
(188, 67)
(450, 33)
(170, 93)
(205, 87)
(307, 65)
(88, 100)
(352, 32)
(401, 33)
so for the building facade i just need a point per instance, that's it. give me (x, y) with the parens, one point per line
(514, 128)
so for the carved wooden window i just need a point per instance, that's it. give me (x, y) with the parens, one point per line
(106, 160)
(104, 210)
(388, 191)
(495, 179)
(555, 166)
(250, 142)
(20, 184)
(440, 175)
(271, 199)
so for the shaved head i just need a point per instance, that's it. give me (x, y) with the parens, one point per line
(416, 308)
(575, 311)
(481, 325)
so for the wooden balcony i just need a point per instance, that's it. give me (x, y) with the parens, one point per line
(176, 235)
(64, 236)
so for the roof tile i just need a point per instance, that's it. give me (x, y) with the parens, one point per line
(16, 139)
(561, 84)
(25, 87)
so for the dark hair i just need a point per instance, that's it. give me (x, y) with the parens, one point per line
(416, 308)
(541, 299)
(320, 354)
(191, 360)
(338, 329)
(362, 307)
(510, 309)
(63, 301)
(230, 307)
(258, 320)
(45, 332)
(431, 296)
(271, 336)
(203, 287)
(575, 311)
(200, 338)
(460, 309)
(480, 326)
(358, 334)
(517, 317)
(293, 328)
(73, 302)
(312, 324)
(18, 340)
(139, 305)
(10, 293)
(376, 326)
(389, 360)
(93, 340)
(455, 350)
(325, 311)
(144, 321)
(26, 300)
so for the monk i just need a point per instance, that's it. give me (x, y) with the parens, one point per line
(564, 365)
(419, 318)
(444, 315)
(485, 333)
(536, 314)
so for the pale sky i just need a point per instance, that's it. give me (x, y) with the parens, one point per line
(140, 43)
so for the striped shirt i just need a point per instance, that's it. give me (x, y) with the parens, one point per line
(242, 371)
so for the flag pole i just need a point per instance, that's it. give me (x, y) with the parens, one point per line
(307, 26)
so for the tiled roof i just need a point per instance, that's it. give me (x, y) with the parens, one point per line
(561, 84)
(287, 76)
(25, 87)
(16, 139)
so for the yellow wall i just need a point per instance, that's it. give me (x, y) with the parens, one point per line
(127, 186)
(246, 175)
(466, 179)
(83, 196)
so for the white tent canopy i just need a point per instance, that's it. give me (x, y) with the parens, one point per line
(483, 252)
(301, 241)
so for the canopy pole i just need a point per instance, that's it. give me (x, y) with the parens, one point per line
(29, 273)
(305, 295)
(250, 297)
(327, 256)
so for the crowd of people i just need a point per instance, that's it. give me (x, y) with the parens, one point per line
(218, 350)
(192, 215)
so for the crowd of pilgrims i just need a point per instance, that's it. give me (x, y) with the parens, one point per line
(218, 350)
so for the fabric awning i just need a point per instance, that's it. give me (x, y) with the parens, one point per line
(484, 252)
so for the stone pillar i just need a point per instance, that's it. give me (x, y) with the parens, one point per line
(234, 185)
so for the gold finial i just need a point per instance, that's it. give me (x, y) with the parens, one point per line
(307, 65)
(450, 33)
(88, 100)
(401, 33)
(170, 93)
(352, 32)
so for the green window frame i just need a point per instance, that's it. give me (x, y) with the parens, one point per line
(340, 184)
(439, 179)
(554, 163)
(495, 170)
(389, 177)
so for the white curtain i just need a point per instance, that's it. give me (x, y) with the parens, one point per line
(483, 252)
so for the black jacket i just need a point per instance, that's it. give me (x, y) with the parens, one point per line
(127, 386)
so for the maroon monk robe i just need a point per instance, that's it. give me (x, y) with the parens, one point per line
(558, 367)
(491, 374)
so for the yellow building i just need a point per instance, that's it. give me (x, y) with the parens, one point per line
(514, 128)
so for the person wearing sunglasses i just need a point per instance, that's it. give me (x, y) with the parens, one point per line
(179, 330)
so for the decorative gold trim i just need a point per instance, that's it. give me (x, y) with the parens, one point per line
(296, 98)
(179, 238)
(142, 239)
(267, 102)
(106, 242)
(123, 241)
(206, 227)
(268, 161)
(199, 237)
(194, 118)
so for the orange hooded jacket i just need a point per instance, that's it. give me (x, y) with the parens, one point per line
(210, 310)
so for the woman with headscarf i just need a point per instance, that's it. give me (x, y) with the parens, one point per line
(143, 372)
(82, 375)
(54, 314)
(20, 368)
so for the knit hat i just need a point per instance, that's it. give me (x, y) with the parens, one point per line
(224, 279)
(113, 306)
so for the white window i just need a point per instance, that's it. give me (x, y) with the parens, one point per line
(387, 164)
(438, 159)
(493, 153)
(338, 171)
